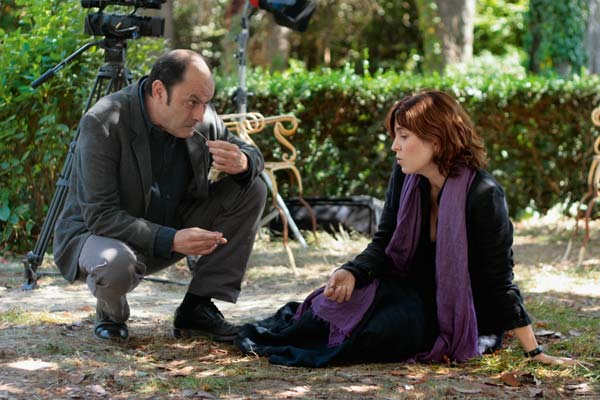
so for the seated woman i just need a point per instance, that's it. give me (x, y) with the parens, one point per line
(435, 284)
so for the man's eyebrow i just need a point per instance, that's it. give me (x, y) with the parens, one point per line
(196, 98)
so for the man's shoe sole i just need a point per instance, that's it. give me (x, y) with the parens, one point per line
(179, 333)
(112, 339)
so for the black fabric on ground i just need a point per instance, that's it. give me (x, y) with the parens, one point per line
(399, 324)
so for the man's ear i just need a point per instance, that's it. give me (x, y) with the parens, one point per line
(159, 91)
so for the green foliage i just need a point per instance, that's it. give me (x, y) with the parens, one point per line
(36, 126)
(537, 130)
(344, 31)
(556, 31)
(499, 25)
(200, 26)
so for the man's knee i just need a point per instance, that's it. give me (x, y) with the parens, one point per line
(117, 271)
(257, 193)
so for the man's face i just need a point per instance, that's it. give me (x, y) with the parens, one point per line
(184, 107)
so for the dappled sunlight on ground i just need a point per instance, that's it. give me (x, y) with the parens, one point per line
(47, 349)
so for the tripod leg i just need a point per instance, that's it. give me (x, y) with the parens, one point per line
(115, 77)
(35, 258)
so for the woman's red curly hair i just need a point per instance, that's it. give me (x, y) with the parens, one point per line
(436, 117)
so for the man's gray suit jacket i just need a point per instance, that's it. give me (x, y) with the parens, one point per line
(109, 185)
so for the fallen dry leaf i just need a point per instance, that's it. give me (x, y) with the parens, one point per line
(536, 393)
(395, 372)
(97, 389)
(186, 371)
(465, 390)
(76, 378)
(544, 332)
(578, 388)
(511, 379)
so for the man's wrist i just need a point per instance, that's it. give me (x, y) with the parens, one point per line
(245, 163)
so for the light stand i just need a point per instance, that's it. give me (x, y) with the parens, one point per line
(241, 100)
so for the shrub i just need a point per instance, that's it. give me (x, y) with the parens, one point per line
(537, 130)
(36, 126)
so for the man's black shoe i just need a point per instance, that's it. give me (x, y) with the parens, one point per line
(106, 329)
(204, 319)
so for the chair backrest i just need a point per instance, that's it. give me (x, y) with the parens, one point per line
(596, 121)
(247, 124)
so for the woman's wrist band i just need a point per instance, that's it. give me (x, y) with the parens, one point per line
(534, 352)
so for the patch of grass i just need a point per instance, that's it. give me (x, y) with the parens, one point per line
(579, 339)
(17, 316)
(164, 386)
(56, 348)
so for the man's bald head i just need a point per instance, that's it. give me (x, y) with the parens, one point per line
(171, 68)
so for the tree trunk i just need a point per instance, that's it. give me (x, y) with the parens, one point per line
(457, 24)
(592, 37)
(278, 47)
(447, 29)
(167, 14)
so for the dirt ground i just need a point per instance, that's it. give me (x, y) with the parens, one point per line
(47, 349)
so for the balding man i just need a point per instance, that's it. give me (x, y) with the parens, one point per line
(140, 199)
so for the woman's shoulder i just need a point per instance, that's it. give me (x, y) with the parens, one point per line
(484, 186)
(486, 197)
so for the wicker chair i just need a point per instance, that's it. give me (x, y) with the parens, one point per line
(282, 126)
(590, 197)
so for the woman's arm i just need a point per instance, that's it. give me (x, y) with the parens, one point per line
(373, 261)
(529, 344)
(497, 299)
(498, 302)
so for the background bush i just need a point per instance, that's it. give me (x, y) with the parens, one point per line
(36, 126)
(537, 130)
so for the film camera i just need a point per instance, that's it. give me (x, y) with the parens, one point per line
(123, 26)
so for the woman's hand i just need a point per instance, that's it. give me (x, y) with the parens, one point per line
(340, 286)
(528, 342)
(553, 360)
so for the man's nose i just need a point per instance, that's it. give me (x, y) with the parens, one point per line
(198, 113)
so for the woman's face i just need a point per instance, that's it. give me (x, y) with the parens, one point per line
(414, 155)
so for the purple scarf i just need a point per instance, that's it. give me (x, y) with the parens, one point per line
(457, 323)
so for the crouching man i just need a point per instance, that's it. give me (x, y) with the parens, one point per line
(140, 199)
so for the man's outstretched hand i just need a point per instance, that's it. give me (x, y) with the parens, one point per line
(196, 241)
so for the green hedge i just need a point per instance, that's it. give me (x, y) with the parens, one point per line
(36, 126)
(537, 130)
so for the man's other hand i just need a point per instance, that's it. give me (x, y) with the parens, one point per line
(227, 157)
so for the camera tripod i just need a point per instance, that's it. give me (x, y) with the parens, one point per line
(111, 77)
